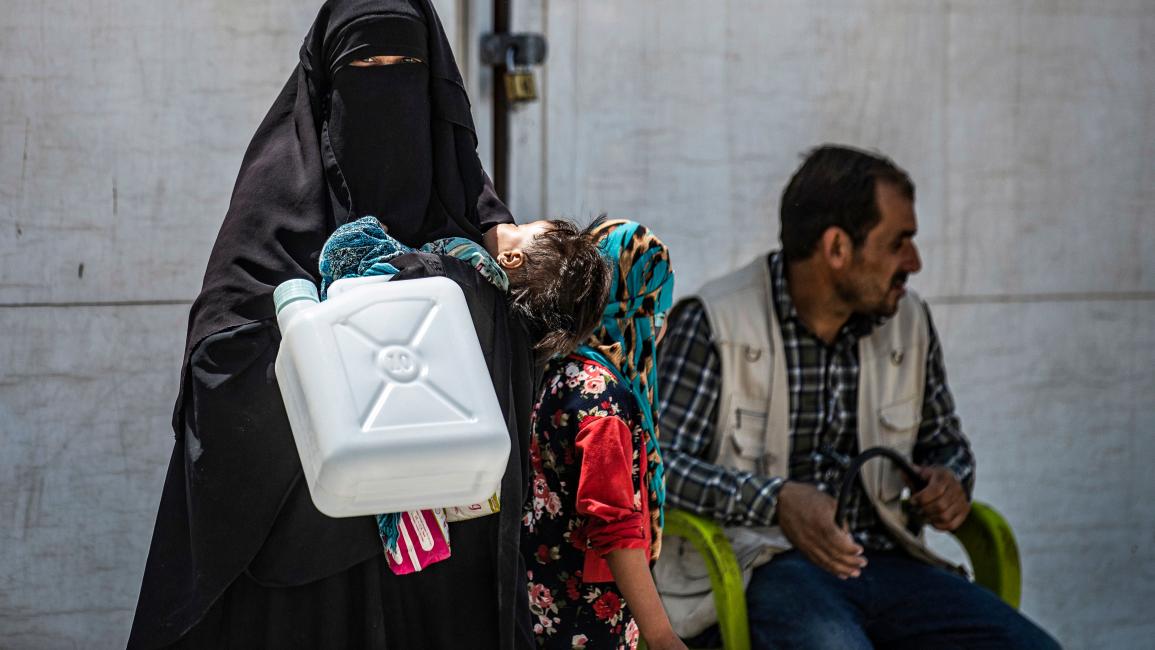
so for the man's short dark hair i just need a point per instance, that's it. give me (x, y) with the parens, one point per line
(834, 187)
(562, 288)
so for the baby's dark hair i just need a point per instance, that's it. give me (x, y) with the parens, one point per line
(562, 287)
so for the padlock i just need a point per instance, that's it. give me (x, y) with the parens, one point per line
(520, 84)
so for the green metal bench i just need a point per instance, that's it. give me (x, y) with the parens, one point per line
(985, 535)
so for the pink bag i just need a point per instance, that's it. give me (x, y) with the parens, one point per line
(423, 538)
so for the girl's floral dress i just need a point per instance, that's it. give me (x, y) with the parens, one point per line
(587, 460)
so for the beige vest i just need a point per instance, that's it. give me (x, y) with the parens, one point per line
(752, 432)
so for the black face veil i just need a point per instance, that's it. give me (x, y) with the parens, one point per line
(378, 124)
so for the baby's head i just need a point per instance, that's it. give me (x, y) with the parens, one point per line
(558, 280)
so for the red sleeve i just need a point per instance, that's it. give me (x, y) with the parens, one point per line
(605, 494)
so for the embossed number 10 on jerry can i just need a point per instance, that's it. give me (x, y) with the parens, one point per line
(388, 395)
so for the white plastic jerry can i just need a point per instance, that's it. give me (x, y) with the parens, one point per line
(388, 395)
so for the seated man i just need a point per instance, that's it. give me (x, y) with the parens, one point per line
(773, 378)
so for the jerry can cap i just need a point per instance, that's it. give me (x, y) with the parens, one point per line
(293, 290)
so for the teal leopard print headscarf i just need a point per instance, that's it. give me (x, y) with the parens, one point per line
(641, 292)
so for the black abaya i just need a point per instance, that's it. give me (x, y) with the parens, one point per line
(240, 557)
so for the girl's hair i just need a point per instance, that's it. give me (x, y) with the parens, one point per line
(562, 287)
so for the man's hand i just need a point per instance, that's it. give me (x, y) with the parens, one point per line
(943, 501)
(806, 516)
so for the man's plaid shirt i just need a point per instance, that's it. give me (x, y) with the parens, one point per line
(823, 419)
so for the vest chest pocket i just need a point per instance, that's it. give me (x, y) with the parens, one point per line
(898, 429)
(746, 440)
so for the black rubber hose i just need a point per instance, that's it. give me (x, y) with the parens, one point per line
(917, 482)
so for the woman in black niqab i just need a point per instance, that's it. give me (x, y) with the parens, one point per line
(240, 556)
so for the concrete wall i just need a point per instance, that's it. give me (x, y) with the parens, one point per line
(1027, 126)
(122, 125)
